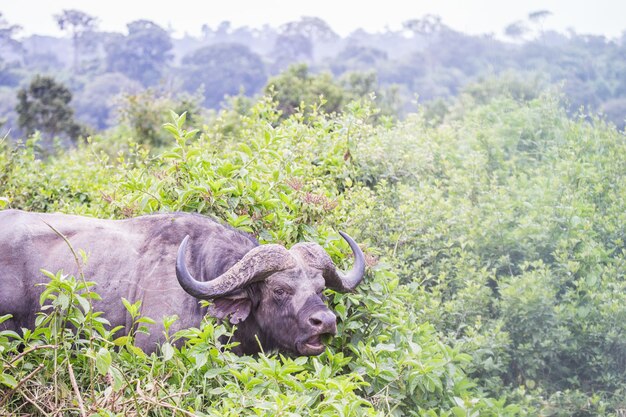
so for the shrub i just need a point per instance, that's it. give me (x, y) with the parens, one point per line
(495, 242)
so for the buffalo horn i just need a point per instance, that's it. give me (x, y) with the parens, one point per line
(317, 257)
(255, 266)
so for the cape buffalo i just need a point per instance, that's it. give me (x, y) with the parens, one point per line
(169, 261)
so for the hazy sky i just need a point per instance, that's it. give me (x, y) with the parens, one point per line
(479, 16)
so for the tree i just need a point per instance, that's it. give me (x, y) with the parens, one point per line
(145, 112)
(312, 28)
(296, 86)
(96, 103)
(224, 29)
(289, 49)
(9, 46)
(428, 29)
(303, 35)
(223, 69)
(615, 111)
(77, 23)
(143, 54)
(428, 26)
(7, 32)
(516, 30)
(358, 57)
(538, 17)
(45, 106)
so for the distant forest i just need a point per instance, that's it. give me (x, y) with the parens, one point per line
(425, 62)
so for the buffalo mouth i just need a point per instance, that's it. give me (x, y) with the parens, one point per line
(313, 345)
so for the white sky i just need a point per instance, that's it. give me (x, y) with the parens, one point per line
(472, 16)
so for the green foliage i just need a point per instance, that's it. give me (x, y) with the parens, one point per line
(296, 86)
(144, 113)
(291, 48)
(78, 24)
(81, 371)
(222, 70)
(358, 57)
(511, 216)
(98, 104)
(425, 58)
(296, 89)
(494, 239)
(142, 55)
(45, 106)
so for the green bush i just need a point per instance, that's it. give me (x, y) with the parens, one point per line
(495, 242)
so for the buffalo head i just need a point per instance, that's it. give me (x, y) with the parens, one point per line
(274, 295)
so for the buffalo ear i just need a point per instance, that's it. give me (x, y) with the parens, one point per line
(237, 306)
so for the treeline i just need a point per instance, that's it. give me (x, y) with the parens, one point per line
(425, 58)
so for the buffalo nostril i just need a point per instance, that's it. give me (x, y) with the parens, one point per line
(315, 322)
(324, 321)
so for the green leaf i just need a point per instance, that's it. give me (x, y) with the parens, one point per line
(121, 341)
(103, 361)
(181, 120)
(167, 350)
(8, 380)
(201, 359)
(145, 320)
(62, 301)
(245, 148)
(459, 411)
(136, 350)
(213, 372)
(48, 274)
(128, 305)
(84, 303)
(117, 377)
(10, 333)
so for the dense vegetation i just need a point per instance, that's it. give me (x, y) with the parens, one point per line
(492, 218)
(424, 59)
(495, 240)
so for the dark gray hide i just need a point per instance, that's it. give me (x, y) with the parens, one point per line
(271, 293)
